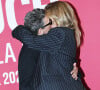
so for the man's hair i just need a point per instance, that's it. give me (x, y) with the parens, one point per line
(34, 19)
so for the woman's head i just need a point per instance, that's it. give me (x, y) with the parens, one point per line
(63, 15)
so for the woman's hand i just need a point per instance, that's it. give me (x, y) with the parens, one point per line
(74, 72)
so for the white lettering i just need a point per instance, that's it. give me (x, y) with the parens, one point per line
(11, 14)
(25, 2)
(8, 47)
(1, 19)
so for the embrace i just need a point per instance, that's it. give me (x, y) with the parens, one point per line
(47, 60)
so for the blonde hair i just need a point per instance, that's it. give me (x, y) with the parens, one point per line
(63, 14)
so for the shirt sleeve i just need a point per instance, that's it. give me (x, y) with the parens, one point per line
(50, 41)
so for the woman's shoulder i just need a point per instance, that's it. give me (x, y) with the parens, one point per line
(56, 30)
(62, 30)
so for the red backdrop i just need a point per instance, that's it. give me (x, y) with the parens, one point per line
(12, 13)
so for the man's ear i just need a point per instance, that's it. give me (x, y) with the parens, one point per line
(40, 32)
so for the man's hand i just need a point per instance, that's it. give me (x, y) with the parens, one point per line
(74, 72)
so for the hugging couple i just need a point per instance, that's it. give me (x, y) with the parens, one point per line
(47, 60)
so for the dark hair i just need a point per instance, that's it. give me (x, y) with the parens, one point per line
(34, 19)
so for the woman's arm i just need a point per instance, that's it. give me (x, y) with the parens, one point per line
(50, 41)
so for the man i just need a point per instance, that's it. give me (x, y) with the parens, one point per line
(28, 57)
(29, 65)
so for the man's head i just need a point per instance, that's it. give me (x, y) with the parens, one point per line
(36, 21)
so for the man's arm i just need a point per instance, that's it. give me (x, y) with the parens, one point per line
(50, 41)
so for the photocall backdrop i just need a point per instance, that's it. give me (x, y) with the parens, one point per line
(12, 13)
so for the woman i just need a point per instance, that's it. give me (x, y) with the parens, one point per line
(57, 46)
(63, 16)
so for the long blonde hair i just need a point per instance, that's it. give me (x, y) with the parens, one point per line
(63, 14)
